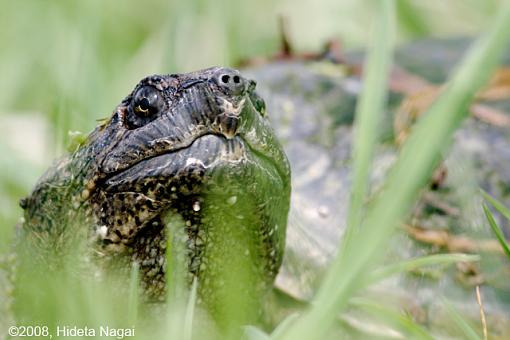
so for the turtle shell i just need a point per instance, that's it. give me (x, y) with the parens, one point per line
(311, 105)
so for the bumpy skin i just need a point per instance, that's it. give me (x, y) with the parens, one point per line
(195, 148)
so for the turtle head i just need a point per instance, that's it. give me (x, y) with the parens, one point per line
(166, 113)
(198, 146)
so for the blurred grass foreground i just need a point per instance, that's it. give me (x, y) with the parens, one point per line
(65, 65)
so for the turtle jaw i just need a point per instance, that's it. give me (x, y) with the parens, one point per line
(199, 161)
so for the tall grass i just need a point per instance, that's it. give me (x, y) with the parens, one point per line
(72, 61)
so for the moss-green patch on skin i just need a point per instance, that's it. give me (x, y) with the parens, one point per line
(76, 139)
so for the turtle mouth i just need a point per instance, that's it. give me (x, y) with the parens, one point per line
(206, 155)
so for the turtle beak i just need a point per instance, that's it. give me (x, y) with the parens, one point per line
(228, 122)
(231, 106)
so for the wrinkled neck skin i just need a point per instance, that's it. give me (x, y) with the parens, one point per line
(207, 164)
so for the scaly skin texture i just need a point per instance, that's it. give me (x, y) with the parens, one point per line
(194, 151)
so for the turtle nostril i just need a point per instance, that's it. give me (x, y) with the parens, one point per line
(230, 80)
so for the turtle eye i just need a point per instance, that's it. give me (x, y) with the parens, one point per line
(143, 106)
(147, 102)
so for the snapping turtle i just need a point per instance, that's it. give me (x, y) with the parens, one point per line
(194, 151)
(197, 146)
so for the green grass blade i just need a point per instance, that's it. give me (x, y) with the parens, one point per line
(284, 325)
(411, 19)
(419, 156)
(496, 204)
(497, 231)
(393, 317)
(254, 333)
(406, 265)
(369, 111)
(461, 324)
(134, 283)
(190, 311)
